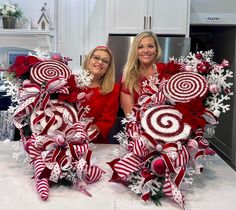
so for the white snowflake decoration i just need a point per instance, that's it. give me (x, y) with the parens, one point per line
(40, 54)
(12, 89)
(218, 76)
(84, 78)
(122, 138)
(138, 184)
(216, 104)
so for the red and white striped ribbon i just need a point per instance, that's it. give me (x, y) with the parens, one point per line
(202, 142)
(36, 98)
(170, 188)
(125, 166)
(76, 134)
(183, 158)
(158, 98)
(133, 129)
(93, 173)
(175, 170)
(140, 148)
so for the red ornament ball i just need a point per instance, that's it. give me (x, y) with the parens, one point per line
(198, 56)
(203, 67)
(158, 166)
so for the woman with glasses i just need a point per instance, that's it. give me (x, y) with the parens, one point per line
(103, 93)
(143, 56)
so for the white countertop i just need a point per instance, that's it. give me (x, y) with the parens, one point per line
(217, 191)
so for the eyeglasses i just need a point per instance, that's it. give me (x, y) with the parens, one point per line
(97, 59)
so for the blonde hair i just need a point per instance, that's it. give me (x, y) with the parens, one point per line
(131, 71)
(108, 79)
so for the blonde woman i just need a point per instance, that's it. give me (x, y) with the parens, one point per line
(103, 93)
(143, 55)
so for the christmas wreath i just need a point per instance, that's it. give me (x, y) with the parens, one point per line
(163, 138)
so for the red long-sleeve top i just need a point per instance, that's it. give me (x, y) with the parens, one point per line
(103, 109)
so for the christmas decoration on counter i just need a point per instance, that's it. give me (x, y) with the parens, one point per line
(55, 134)
(163, 140)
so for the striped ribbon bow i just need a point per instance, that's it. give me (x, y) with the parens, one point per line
(36, 97)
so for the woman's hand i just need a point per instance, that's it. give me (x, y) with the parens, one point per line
(94, 127)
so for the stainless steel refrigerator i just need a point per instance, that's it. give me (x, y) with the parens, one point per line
(171, 46)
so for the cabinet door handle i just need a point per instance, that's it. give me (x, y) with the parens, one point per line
(80, 60)
(150, 22)
(144, 23)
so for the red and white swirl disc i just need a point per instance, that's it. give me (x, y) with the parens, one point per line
(45, 71)
(65, 117)
(164, 123)
(185, 86)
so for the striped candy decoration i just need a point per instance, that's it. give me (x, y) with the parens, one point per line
(127, 165)
(44, 71)
(31, 150)
(42, 185)
(202, 142)
(43, 188)
(164, 123)
(93, 173)
(184, 87)
(55, 84)
(130, 145)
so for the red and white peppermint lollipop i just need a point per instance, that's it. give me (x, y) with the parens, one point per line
(185, 86)
(58, 116)
(45, 71)
(164, 123)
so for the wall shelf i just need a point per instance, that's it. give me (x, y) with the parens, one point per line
(27, 39)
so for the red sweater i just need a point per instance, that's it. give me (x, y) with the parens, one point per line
(103, 108)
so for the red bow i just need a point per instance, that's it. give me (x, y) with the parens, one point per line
(74, 91)
(192, 113)
(165, 71)
(22, 64)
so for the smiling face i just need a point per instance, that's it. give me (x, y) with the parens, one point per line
(147, 51)
(99, 63)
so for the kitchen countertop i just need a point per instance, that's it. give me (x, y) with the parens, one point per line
(216, 191)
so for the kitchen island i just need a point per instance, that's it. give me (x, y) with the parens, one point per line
(215, 191)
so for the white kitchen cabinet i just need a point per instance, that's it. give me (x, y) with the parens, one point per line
(127, 16)
(70, 30)
(81, 25)
(96, 23)
(159, 16)
(168, 16)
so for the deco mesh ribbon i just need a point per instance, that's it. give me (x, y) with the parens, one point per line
(164, 134)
